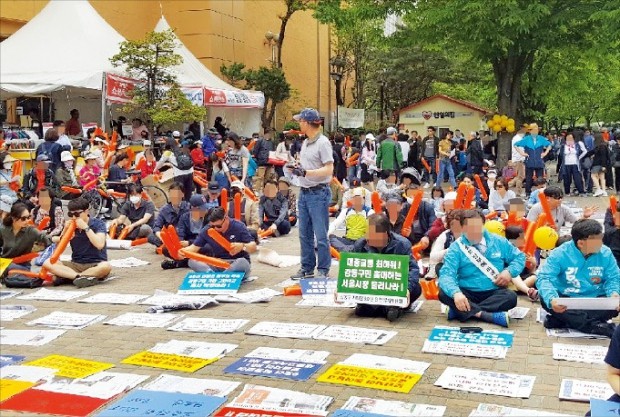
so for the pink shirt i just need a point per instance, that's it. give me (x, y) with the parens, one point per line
(87, 174)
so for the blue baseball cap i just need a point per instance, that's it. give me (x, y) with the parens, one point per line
(309, 115)
(198, 201)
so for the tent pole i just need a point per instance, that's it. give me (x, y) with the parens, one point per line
(103, 101)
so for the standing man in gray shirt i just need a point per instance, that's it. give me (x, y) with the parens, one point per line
(315, 171)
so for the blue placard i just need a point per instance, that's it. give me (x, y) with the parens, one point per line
(314, 286)
(211, 283)
(341, 412)
(159, 403)
(486, 338)
(273, 368)
(6, 360)
(602, 408)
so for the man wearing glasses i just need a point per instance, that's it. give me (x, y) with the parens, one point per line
(561, 214)
(89, 258)
(242, 244)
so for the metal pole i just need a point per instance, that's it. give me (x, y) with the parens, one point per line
(103, 86)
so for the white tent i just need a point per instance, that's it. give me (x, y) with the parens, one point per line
(192, 72)
(67, 45)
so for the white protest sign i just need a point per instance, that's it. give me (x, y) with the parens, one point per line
(173, 383)
(145, 319)
(350, 118)
(207, 325)
(290, 330)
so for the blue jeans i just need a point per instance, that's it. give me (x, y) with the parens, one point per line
(313, 215)
(445, 164)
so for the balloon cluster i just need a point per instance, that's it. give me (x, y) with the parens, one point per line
(499, 123)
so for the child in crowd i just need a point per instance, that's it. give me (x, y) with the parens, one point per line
(541, 184)
(526, 281)
(438, 196)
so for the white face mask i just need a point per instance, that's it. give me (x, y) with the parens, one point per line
(68, 164)
(8, 166)
(135, 199)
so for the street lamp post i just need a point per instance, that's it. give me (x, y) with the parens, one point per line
(337, 65)
(272, 40)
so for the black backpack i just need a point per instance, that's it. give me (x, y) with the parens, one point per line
(184, 161)
(22, 281)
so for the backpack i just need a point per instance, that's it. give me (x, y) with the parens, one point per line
(615, 155)
(184, 161)
(22, 281)
(50, 149)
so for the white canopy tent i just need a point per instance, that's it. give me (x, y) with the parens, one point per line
(192, 72)
(63, 52)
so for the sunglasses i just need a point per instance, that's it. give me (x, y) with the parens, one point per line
(25, 218)
(218, 226)
(75, 213)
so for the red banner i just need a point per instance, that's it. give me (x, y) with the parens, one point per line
(119, 89)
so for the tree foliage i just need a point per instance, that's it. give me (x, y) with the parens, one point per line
(157, 95)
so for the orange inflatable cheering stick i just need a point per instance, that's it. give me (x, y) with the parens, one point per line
(18, 167)
(218, 263)
(483, 191)
(221, 240)
(45, 222)
(469, 197)
(546, 209)
(237, 206)
(613, 205)
(64, 241)
(460, 195)
(413, 210)
(426, 165)
(224, 199)
(334, 253)
(376, 201)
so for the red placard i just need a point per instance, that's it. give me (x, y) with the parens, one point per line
(46, 402)
(248, 412)
(119, 89)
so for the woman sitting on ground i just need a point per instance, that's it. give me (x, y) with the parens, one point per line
(49, 206)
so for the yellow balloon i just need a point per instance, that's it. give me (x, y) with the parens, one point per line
(545, 238)
(497, 118)
(511, 121)
(510, 128)
(503, 118)
(490, 123)
(503, 123)
(496, 227)
(497, 128)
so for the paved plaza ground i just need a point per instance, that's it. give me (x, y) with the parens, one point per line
(531, 353)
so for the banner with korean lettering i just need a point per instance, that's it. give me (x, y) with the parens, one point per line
(350, 118)
(194, 94)
(370, 278)
(214, 97)
(119, 89)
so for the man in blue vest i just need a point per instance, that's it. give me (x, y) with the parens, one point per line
(534, 148)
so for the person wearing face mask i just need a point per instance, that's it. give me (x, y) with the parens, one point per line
(7, 195)
(500, 195)
(65, 175)
(136, 214)
(18, 236)
(89, 258)
(170, 213)
(382, 239)
(242, 244)
(582, 267)
(476, 271)
(355, 219)
(38, 177)
(249, 209)
(397, 212)
(284, 190)
(49, 206)
(191, 222)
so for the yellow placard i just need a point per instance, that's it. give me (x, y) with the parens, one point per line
(69, 367)
(168, 361)
(370, 378)
(4, 263)
(10, 387)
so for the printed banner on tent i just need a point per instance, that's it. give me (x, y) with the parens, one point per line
(194, 94)
(373, 278)
(350, 118)
(119, 89)
(224, 98)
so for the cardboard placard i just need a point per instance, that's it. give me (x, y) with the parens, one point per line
(200, 283)
(69, 367)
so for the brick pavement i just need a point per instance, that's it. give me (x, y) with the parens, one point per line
(531, 353)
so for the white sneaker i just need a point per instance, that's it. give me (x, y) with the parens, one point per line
(427, 185)
(598, 193)
(604, 194)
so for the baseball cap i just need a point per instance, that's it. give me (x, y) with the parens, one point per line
(43, 158)
(391, 130)
(237, 184)
(66, 156)
(395, 197)
(122, 146)
(355, 182)
(214, 186)
(147, 142)
(212, 130)
(101, 141)
(198, 201)
(309, 115)
(284, 180)
(176, 134)
(370, 136)
(87, 157)
(358, 192)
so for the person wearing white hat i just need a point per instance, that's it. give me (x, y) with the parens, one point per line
(7, 195)
(90, 171)
(355, 219)
(65, 175)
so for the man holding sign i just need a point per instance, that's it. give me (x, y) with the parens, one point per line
(470, 281)
(580, 268)
(382, 240)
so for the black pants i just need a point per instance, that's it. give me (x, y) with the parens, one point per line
(187, 180)
(368, 310)
(581, 320)
(292, 219)
(617, 177)
(529, 177)
(154, 240)
(490, 301)
(283, 228)
(341, 244)
(571, 172)
(587, 179)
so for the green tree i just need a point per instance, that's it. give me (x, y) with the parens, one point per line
(292, 6)
(157, 95)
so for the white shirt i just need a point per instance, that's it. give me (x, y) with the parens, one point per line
(573, 152)
(497, 203)
(516, 156)
(64, 140)
(404, 147)
(168, 156)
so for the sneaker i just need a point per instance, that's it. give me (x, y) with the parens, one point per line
(501, 319)
(365, 310)
(83, 282)
(301, 274)
(604, 329)
(168, 264)
(451, 314)
(598, 193)
(427, 185)
(61, 281)
(604, 194)
(322, 275)
(393, 313)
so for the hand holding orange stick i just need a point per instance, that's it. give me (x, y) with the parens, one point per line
(416, 251)
(546, 209)
(64, 241)
(376, 201)
(45, 222)
(469, 197)
(218, 263)
(334, 253)
(460, 196)
(483, 191)
(413, 210)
